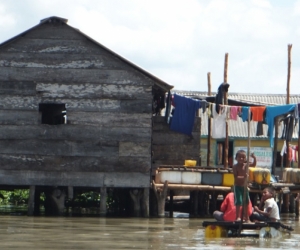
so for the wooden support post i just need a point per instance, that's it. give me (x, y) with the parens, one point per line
(292, 204)
(288, 98)
(161, 195)
(289, 74)
(37, 201)
(196, 202)
(201, 200)
(70, 192)
(209, 124)
(275, 147)
(30, 210)
(285, 203)
(136, 196)
(103, 198)
(58, 196)
(226, 103)
(146, 198)
(171, 204)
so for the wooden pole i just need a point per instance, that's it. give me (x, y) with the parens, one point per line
(30, 210)
(275, 146)
(289, 74)
(245, 196)
(226, 103)
(209, 124)
(103, 198)
(288, 99)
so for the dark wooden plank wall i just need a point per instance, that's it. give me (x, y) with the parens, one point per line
(107, 139)
(172, 148)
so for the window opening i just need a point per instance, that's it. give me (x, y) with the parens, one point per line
(53, 113)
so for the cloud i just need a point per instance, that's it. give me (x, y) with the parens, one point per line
(180, 42)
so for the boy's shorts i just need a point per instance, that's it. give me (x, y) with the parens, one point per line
(239, 194)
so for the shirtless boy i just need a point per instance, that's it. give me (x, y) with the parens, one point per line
(240, 174)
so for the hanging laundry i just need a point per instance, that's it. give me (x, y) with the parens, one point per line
(257, 113)
(168, 107)
(223, 88)
(288, 127)
(204, 105)
(259, 129)
(209, 113)
(283, 149)
(245, 113)
(219, 122)
(271, 113)
(184, 115)
(234, 112)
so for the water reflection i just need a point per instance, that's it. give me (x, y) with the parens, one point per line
(22, 232)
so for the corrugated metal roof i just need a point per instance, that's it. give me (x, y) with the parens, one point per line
(239, 128)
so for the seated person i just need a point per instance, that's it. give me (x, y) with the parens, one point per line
(270, 210)
(228, 209)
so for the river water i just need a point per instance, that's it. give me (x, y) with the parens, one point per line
(23, 232)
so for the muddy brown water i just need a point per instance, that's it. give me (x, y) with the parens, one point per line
(23, 232)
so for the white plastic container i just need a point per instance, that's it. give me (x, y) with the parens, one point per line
(170, 176)
(191, 178)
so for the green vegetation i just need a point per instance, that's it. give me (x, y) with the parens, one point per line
(15, 197)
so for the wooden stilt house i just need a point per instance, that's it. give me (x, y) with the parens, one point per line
(75, 114)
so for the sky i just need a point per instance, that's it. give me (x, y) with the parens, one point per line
(179, 41)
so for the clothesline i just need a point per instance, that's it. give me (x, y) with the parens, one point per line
(185, 111)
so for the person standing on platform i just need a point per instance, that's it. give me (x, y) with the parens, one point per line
(240, 176)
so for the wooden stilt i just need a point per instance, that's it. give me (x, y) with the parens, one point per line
(275, 146)
(292, 204)
(201, 203)
(285, 203)
(171, 204)
(58, 196)
(146, 199)
(297, 207)
(30, 211)
(103, 197)
(196, 202)
(37, 201)
(161, 195)
(136, 196)
(70, 192)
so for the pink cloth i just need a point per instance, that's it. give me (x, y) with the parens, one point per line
(233, 112)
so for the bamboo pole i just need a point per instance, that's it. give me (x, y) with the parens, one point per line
(226, 103)
(287, 163)
(209, 124)
(289, 74)
(245, 196)
(275, 146)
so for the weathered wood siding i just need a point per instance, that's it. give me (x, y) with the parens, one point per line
(172, 148)
(107, 139)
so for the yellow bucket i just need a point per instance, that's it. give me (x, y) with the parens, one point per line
(213, 231)
(190, 163)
